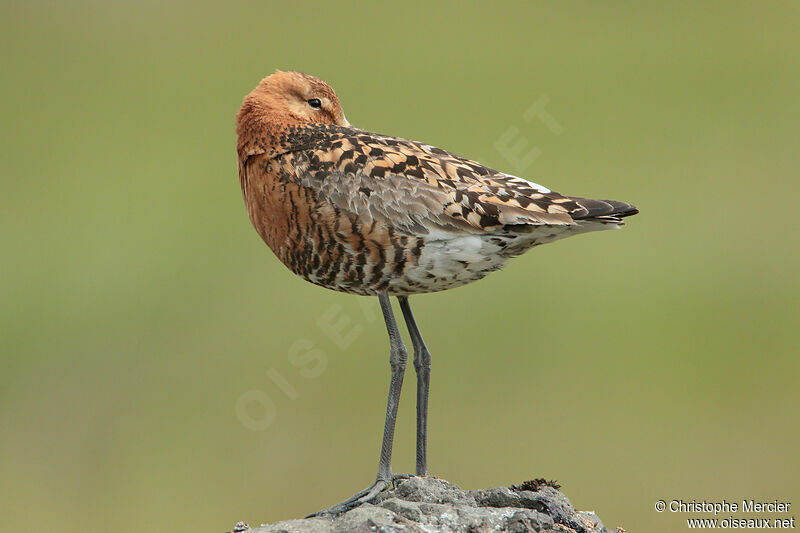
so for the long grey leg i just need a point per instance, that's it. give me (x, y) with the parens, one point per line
(398, 357)
(422, 366)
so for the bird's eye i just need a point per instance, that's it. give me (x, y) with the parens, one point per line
(315, 103)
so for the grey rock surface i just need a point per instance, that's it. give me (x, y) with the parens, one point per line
(431, 505)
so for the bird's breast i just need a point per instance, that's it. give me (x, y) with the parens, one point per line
(350, 251)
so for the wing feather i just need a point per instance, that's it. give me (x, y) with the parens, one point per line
(419, 188)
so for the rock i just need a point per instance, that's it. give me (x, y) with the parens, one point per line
(431, 505)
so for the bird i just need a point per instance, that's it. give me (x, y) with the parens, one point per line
(375, 215)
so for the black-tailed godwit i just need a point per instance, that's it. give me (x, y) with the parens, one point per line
(375, 215)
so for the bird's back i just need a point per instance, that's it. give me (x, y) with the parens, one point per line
(359, 212)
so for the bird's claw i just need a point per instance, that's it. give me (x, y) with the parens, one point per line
(365, 496)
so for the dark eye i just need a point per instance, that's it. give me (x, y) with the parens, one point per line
(315, 103)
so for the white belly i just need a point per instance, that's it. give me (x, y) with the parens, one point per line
(449, 261)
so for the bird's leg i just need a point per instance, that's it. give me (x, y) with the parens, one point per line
(398, 356)
(422, 366)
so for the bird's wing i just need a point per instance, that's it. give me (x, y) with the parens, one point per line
(421, 188)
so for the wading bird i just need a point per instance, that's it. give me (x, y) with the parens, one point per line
(375, 215)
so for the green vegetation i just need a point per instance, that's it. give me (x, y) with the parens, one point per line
(137, 304)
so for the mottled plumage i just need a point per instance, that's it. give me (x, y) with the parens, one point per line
(364, 213)
(370, 214)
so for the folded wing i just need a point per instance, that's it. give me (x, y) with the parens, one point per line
(420, 188)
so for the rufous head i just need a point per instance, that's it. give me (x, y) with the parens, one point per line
(288, 98)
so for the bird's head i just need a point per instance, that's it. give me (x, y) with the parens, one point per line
(292, 98)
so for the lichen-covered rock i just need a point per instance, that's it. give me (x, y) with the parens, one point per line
(430, 505)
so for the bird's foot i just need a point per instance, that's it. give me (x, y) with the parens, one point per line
(365, 496)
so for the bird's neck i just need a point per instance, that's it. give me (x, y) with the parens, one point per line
(260, 132)
(277, 135)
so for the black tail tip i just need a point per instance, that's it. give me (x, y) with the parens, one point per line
(607, 211)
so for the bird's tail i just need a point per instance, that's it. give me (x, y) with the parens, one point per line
(603, 211)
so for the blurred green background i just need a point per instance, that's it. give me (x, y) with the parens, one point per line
(138, 307)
